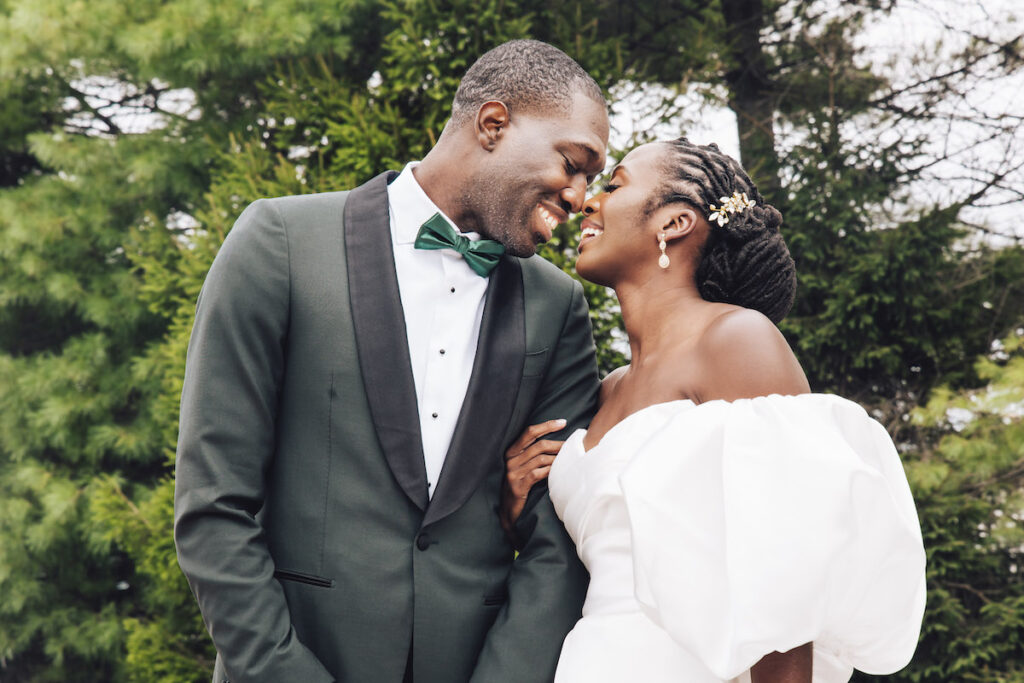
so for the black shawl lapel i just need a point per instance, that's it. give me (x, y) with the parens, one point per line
(381, 339)
(494, 383)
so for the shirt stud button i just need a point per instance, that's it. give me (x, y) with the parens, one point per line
(453, 290)
(442, 352)
(434, 415)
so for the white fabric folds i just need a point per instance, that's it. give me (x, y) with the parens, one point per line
(761, 524)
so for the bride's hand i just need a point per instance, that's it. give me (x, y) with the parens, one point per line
(527, 461)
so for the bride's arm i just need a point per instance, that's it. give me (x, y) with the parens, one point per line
(528, 460)
(784, 667)
(746, 356)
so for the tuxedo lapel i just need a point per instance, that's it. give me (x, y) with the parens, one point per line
(381, 339)
(497, 369)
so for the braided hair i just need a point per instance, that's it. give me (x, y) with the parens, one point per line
(744, 262)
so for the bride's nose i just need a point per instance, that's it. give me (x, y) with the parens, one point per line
(592, 205)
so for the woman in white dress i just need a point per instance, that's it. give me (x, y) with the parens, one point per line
(735, 526)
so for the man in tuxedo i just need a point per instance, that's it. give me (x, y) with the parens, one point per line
(359, 362)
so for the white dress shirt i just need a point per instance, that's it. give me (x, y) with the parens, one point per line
(443, 302)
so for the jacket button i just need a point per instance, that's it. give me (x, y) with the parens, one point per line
(423, 541)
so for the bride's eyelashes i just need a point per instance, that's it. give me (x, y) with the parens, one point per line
(609, 188)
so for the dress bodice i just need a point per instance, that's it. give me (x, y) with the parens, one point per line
(585, 490)
(717, 533)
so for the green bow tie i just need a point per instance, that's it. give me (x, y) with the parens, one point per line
(481, 255)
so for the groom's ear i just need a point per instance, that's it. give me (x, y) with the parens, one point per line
(491, 120)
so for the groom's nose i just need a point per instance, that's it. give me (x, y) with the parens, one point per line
(574, 193)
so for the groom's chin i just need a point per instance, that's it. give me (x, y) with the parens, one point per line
(523, 249)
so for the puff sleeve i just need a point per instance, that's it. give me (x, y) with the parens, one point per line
(791, 519)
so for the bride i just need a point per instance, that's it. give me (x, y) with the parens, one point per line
(735, 526)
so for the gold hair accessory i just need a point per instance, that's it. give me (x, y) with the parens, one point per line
(737, 203)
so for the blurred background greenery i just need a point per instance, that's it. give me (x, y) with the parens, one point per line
(133, 133)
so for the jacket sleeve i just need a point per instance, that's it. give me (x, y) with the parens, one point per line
(226, 440)
(547, 583)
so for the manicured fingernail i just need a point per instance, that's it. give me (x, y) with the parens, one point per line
(560, 422)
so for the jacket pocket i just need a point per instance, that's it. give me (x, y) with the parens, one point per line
(535, 363)
(299, 577)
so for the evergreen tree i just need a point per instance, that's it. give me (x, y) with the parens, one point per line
(133, 134)
(110, 115)
(890, 301)
(965, 462)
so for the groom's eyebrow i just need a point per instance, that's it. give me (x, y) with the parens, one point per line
(593, 156)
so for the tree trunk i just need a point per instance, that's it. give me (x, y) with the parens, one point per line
(751, 94)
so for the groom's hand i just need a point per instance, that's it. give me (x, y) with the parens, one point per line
(527, 461)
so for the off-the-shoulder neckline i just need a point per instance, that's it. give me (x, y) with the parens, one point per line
(628, 418)
(694, 405)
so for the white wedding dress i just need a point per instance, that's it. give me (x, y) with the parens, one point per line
(717, 533)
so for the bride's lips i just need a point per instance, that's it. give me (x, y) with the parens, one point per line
(588, 230)
(550, 217)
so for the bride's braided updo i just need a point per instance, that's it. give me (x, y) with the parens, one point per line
(745, 261)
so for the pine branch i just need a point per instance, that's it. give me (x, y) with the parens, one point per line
(970, 589)
(1016, 472)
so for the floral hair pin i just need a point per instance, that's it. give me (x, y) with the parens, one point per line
(737, 203)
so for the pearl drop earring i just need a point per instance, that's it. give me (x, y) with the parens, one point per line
(663, 259)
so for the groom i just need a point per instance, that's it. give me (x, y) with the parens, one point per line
(359, 363)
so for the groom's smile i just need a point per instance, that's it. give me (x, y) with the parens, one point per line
(550, 218)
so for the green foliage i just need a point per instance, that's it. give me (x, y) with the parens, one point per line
(164, 638)
(966, 469)
(97, 166)
(108, 227)
(72, 405)
(186, 43)
(344, 133)
(889, 300)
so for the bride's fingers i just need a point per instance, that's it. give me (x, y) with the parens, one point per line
(542, 447)
(531, 434)
(513, 505)
(520, 481)
(527, 461)
(517, 487)
(540, 473)
(529, 479)
(539, 460)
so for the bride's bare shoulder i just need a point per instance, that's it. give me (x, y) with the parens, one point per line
(744, 355)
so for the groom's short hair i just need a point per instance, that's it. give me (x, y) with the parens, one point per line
(528, 76)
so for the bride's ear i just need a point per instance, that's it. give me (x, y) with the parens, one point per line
(682, 222)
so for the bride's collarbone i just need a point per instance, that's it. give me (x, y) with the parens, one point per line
(637, 388)
(632, 394)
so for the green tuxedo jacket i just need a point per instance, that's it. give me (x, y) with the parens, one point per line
(302, 520)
